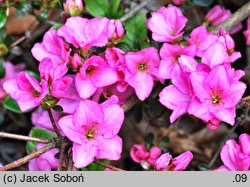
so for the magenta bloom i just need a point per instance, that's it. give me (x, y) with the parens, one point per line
(84, 33)
(138, 152)
(170, 58)
(74, 7)
(236, 157)
(247, 32)
(178, 2)
(180, 162)
(154, 154)
(93, 129)
(26, 90)
(115, 30)
(45, 162)
(217, 94)
(201, 39)
(142, 68)
(53, 47)
(162, 162)
(95, 73)
(11, 72)
(177, 97)
(167, 24)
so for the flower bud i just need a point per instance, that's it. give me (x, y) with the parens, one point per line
(180, 162)
(74, 7)
(154, 154)
(162, 162)
(115, 30)
(138, 152)
(3, 50)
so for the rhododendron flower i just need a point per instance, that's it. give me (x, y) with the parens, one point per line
(84, 33)
(116, 59)
(177, 97)
(45, 162)
(201, 39)
(95, 73)
(93, 129)
(162, 162)
(74, 7)
(217, 93)
(142, 68)
(236, 157)
(115, 30)
(53, 47)
(154, 154)
(11, 72)
(170, 58)
(247, 32)
(180, 162)
(26, 90)
(219, 14)
(167, 24)
(138, 152)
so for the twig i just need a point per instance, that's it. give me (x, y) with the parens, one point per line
(130, 103)
(29, 157)
(134, 10)
(211, 163)
(234, 19)
(54, 125)
(62, 155)
(108, 166)
(20, 40)
(24, 138)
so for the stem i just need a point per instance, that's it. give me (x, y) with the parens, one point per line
(130, 103)
(62, 155)
(20, 40)
(108, 166)
(54, 125)
(29, 157)
(24, 138)
(134, 10)
(234, 19)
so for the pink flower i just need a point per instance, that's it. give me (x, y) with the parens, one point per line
(201, 39)
(154, 154)
(138, 152)
(247, 32)
(167, 24)
(26, 90)
(74, 7)
(95, 73)
(178, 2)
(93, 130)
(45, 162)
(53, 47)
(162, 162)
(142, 68)
(84, 33)
(115, 30)
(236, 157)
(11, 72)
(60, 87)
(180, 162)
(217, 94)
(219, 14)
(170, 58)
(177, 97)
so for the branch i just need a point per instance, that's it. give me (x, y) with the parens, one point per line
(134, 10)
(24, 138)
(234, 19)
(130, 103)
(54, 125)
(29, 157)
(108, 166)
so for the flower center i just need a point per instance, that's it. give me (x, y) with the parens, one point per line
(91, 133)
(215, 99)
(142, 66)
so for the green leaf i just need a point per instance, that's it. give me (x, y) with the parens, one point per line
(2, 68)
(164, 142)
(2, 34)
(136, 31)
(30, 146)
(11, 105)
(56, 26)
(97, 8)
(3, 17)
(114, 10)
(96, 167)
(203, 167)
(58, 108)
(42, 133)
(124, 46)
(38, 133)
(43, 16)
(149, 140)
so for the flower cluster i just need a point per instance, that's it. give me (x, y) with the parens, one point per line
(203, 82)
(160, 162)
(236, 157)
